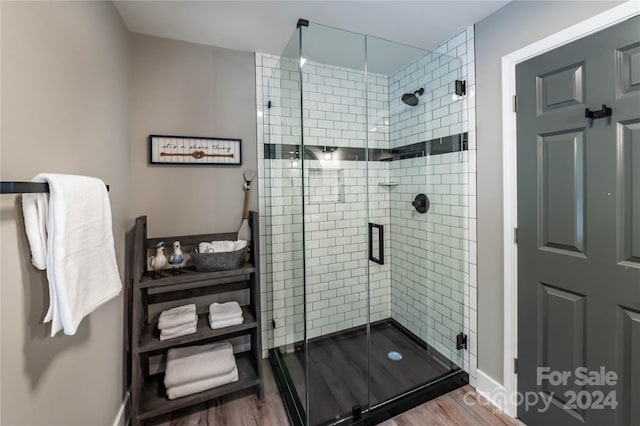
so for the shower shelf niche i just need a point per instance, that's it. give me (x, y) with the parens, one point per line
(326, 186)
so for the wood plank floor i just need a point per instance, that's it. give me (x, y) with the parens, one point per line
(462, 407)
(452, 409)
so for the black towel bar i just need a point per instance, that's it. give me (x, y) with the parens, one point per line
(10, 187)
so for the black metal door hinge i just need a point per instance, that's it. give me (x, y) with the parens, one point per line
(515, 103)
(273, 323)
(515, 366)
(356, 412)
(269, 105)
(461, 341)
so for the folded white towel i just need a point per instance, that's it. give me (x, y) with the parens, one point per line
(193, 363)
(183, 330)
(70, 234)
(226, 323)
(202, 385)
(224, 311)
(221, 246)
(176, 317)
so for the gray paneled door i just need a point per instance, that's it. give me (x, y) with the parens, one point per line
(579, 231)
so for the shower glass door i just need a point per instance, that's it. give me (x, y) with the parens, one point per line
(335, 222)
(415, 209)
(283, 208)
(367, 206)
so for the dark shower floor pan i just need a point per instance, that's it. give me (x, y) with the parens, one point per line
(337, 375)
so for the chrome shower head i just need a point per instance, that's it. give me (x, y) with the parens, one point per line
(411, 99)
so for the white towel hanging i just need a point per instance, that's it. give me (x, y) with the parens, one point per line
(70, 234)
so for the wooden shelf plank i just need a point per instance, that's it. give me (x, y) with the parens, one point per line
(189, 275)
(201, 290)
(154, 399)
(150, 336)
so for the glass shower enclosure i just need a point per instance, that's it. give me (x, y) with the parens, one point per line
(365, 185)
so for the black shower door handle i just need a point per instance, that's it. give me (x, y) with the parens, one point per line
(379, 260)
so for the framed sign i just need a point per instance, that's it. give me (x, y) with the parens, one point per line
(194, 151)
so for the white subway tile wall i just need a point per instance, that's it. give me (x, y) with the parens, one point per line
(430, 253)
(334, 107)
(336, 252)
(335, 202)
(428, 281)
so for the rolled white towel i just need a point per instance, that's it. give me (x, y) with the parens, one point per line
(221, 246)
(182, 330)
(205, 248)
(226, 323)
(202, 385)
(224, 311)
(240, 244)
(176, 317)
(193, 363)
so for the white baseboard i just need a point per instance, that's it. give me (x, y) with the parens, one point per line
(493, 391)
(121, 418)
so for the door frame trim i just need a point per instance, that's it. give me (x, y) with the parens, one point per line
(510, 174)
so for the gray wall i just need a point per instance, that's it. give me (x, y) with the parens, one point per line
(187, 89)
(65, 73)
(80, 95)
(514, 26)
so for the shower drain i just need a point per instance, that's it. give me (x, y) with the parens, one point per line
(394, 356)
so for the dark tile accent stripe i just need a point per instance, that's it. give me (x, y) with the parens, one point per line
(276, 151)
(437, 146)
(311, 152)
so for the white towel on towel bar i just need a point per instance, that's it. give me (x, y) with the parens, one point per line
(192, 363)
(35, 211)
(70, 235)
(202, 385)
(224, 311)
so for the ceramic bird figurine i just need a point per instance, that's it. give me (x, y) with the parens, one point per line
(158, 261)
(177, 258)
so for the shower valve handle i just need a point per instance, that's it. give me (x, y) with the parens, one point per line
(421, 203)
